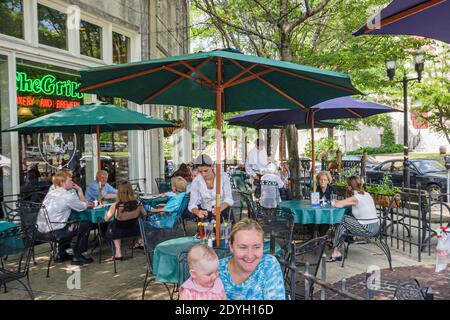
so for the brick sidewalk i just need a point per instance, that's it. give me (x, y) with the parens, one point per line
(439, 282)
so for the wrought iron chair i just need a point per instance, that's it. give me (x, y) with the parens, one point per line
(17, 243)
(29, 212)
(279, 224)
(379, 237)
(163, 185)
(409, 290)
(152, 237)
(309, 253)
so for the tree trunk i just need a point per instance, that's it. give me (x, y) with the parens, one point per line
(294, 161)
(330, 136)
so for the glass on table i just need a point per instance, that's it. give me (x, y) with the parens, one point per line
(333, 199)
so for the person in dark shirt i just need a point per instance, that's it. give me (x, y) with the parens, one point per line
(325, 189)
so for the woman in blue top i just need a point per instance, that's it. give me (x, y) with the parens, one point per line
(249, 274)
(170, 209)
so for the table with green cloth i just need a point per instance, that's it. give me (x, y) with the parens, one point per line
(305, 213)
(10, 240)
(93, 215)
(165, 257)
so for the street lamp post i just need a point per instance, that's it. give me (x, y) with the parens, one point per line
(200, 131)
(390, 67)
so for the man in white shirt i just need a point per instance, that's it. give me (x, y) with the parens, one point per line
(58, 205)
(203, 192)
(254, 165)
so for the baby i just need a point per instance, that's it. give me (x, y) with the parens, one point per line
(204, 283)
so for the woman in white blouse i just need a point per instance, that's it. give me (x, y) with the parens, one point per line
(203, 191)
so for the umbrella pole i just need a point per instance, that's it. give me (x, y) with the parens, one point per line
(219, 93)
(99, 166)
(313, 169)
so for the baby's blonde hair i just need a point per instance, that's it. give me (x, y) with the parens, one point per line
(200, 252)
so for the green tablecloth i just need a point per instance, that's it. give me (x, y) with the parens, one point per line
(90, 215)
(5, 225)
(304, 213)
(165, 257)
(10, 241)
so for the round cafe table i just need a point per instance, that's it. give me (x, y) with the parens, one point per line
(93, 215)
(304, 213)
(10, 241)
(165, 257)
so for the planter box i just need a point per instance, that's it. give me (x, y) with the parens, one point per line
(383, 200)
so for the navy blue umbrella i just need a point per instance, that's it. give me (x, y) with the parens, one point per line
(426, 18)
(339, 108)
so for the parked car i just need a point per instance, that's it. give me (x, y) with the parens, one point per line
(32, 152)
(106, 146)
(371, 161)
(431, 174)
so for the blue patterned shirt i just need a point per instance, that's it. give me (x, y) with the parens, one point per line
(265, 283)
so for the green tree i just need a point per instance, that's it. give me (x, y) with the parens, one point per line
(434, 96)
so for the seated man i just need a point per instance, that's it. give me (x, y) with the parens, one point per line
(59, 203)
(108, 192)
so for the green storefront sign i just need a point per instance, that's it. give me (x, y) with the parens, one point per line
(48, 85)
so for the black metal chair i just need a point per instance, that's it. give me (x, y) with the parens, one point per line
(278, 223)
(309, 253)
(163, 185)
(152, 237)
(17, 243)
(409, 290)
(379, 237)
(29, 212)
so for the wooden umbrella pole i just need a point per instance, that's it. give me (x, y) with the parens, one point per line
(313, 169)
(219, 94)
(99, 166)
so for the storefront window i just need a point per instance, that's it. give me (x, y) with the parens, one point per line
(121, 48)
(114, 148)
(11, 17)
(43, 89)
(90, 39)
(52, 27)
(5, 143)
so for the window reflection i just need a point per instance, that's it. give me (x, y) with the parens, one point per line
(52, 27)
(11, 17)
(90, 40)
(121, 50)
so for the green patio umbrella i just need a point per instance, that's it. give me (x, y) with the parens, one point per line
(91, 119)
(223, 80)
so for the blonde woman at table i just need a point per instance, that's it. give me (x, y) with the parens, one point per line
(126, 211)
(249, 274)
(171, 207)
(204, 283)
(364, 220)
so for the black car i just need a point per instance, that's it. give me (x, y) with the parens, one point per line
(431, 174)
